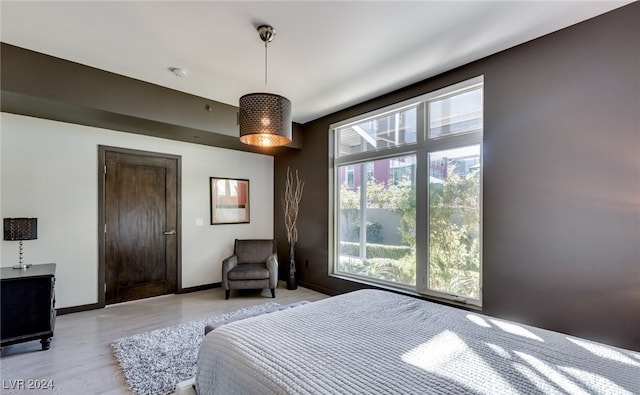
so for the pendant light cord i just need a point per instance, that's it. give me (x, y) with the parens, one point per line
(265, 65)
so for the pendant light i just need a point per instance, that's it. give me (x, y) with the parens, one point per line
(265, 118)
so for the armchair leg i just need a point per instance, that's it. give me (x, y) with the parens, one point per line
(226, 294)
(273, 292)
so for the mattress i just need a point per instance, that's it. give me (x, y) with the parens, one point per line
(378, 342)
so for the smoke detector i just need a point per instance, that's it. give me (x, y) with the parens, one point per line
(178, 72)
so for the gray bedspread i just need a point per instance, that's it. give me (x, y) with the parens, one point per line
(376, 342)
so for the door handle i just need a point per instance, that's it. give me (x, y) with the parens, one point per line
(170, 232)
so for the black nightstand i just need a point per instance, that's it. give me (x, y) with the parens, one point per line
(28, 304)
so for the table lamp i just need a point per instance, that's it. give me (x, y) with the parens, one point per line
(21, 229)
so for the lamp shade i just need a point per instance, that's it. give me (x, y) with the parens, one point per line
(20, 228)
(265, 120)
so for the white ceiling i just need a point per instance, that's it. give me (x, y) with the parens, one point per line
(326, 55)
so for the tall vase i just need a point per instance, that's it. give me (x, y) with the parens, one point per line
(291, 278)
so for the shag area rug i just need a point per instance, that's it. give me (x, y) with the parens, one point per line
(154, 362)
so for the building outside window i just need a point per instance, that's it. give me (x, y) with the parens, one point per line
(407, 195)
(350, 176)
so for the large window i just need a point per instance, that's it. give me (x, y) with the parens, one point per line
(407, 187)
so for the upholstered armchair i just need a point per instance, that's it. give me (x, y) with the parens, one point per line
(253, 265)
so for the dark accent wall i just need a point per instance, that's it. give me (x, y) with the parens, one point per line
(561, 202)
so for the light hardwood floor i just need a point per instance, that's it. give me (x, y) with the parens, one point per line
(80, 360)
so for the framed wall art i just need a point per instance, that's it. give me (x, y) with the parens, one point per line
(229, 201)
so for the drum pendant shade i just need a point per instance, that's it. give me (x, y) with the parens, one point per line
(265, 120)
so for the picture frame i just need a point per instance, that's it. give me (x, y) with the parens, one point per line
(229, 200)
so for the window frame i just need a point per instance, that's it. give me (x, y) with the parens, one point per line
(421, 149)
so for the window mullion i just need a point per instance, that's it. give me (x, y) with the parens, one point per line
(422, 252)
(454, 141)
(374, 155)
(363, 214)
(422, 175)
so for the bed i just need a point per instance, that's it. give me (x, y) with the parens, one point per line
(378, 342)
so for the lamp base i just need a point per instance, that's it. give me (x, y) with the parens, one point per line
(21, 266)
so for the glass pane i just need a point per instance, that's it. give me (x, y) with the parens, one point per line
(385, 131)
(385, 251)
(454, 221)
(456, 114)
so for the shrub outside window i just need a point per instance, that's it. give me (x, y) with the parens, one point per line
(376, 229)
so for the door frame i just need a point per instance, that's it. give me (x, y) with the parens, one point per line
(102, 150)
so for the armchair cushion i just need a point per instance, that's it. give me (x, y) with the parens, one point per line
(248, 271)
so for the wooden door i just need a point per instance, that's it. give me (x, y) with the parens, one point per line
(140, 246)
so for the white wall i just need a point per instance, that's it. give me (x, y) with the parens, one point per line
(49, 171)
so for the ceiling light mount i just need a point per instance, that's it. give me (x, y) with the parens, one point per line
(266, 33)
(265, 118)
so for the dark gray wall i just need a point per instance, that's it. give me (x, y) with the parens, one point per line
(44, 86)
(561, 181)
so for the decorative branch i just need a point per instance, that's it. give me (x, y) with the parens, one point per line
(290, 202)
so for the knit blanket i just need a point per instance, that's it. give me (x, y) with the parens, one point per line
(377, 342)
